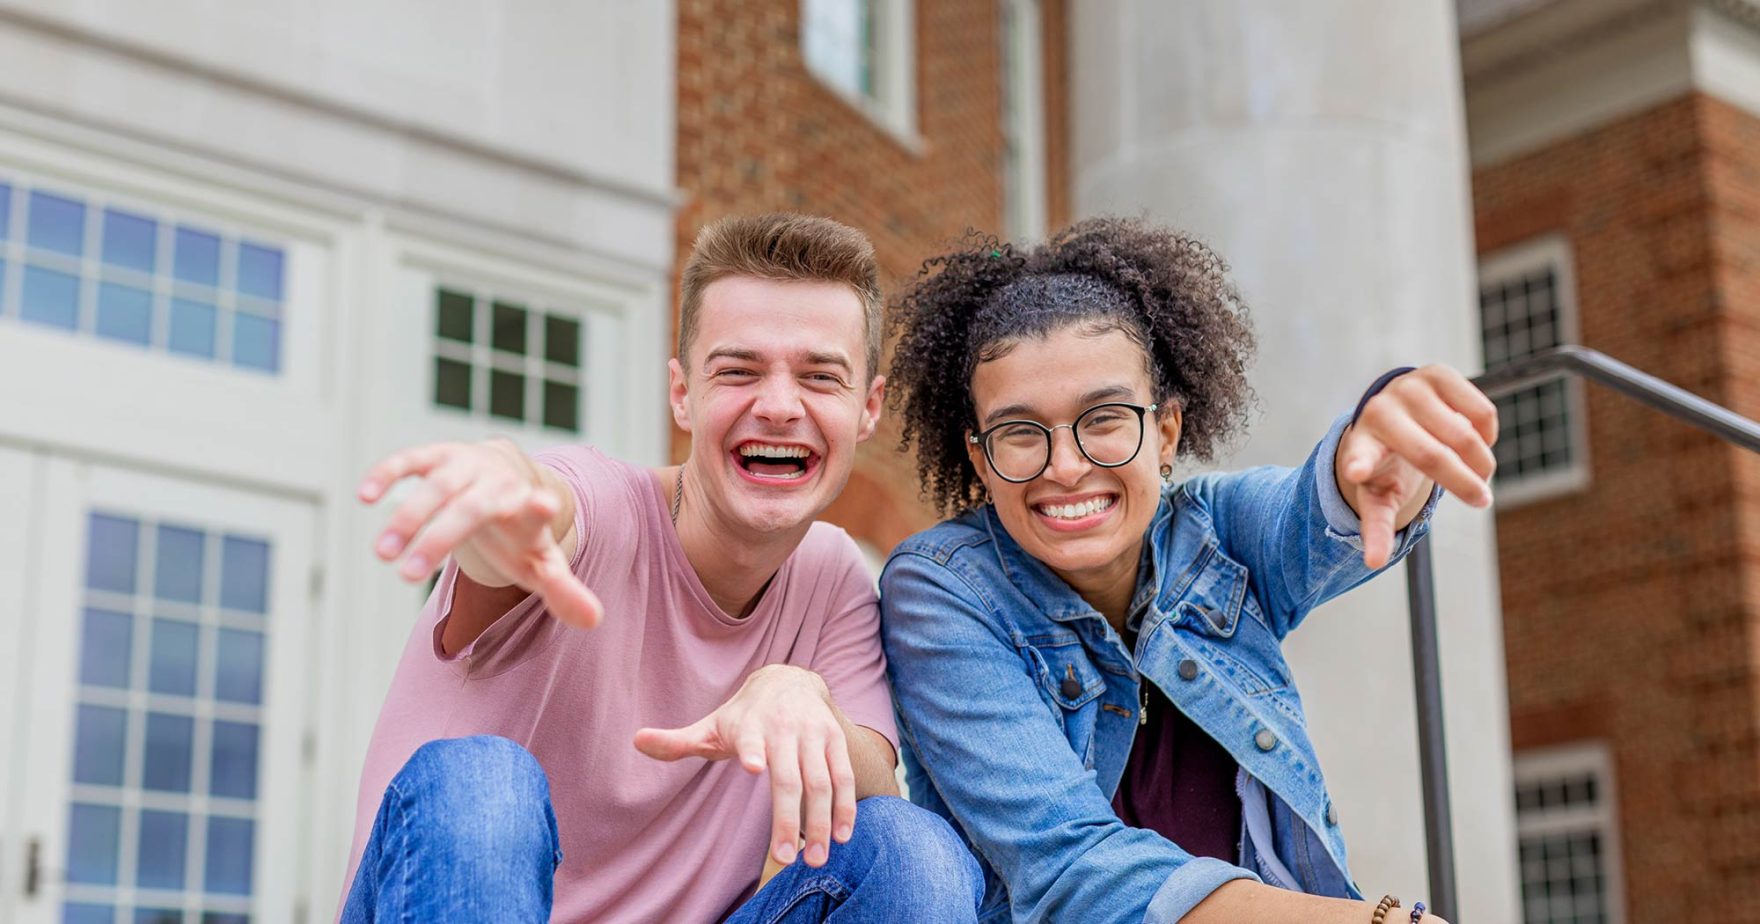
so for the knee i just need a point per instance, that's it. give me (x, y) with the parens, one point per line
(478, 793)
(918, 849)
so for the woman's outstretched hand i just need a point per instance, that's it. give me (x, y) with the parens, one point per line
(1429, 426)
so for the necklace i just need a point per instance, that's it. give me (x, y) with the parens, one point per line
(677, 495)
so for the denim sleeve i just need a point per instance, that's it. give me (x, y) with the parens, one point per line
(1295, 533)
(970, 710)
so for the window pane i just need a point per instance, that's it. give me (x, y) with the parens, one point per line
(510, 328)
(229, 855)
(259, 271)
(452, 383)
(562, 340)
(167, 756)
(125, 313)
(456, 313)
(244, 574)
(507, 395)
(164, 842)
(99, 743)
(172, 667)
(50, 298)
(5, 211)
(178, 565)
(110, 553)
(85, 913)
(157, 916)
(198, 257)
(104, 648)
(92, 835)
(561, 406)
(192, 328)
(238, 666)
(215, 917)
(233, 772)
(57, 224)
(130, 241)
(256, 342)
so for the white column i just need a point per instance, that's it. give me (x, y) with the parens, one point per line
(1319, 147)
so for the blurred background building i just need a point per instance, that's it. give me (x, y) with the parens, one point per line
(247, 248)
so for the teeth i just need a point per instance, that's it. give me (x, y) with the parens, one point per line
(762, 451)
(1086, 508)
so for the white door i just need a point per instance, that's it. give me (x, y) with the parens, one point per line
(167, 691)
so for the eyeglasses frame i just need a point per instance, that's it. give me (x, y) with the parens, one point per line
(982, 438)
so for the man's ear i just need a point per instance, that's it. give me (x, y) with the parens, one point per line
(871, 408)
(677, 395)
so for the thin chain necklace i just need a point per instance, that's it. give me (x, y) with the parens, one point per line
(677, 495)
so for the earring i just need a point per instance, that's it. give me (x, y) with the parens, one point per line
(1167, 473)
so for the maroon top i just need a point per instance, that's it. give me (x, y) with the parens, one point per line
(1179, 783)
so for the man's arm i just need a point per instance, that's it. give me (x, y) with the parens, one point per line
(508, 521)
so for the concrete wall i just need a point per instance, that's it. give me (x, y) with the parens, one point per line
(1324, 155)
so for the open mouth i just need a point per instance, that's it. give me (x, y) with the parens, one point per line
(1077, 514)
(775, 462)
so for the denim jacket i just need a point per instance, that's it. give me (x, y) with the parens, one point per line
(981, 639)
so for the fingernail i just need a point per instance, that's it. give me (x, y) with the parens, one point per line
(415, 567)
(367, 488)
(843, 833)
(390, 545)
(816, 855)
(785, 854)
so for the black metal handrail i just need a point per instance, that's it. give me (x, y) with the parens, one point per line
(1421, 586)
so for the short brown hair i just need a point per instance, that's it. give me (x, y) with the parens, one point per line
(787, 246)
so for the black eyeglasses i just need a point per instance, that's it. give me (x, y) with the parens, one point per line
(1108, 435)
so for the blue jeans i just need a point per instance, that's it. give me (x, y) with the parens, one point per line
(466, 833)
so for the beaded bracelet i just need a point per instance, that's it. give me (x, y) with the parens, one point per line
(1387, 903)
(1418, 910)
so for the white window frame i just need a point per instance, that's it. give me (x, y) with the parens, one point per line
(1549, 252)
(894, 104)
(1594, 759)
(71, 490)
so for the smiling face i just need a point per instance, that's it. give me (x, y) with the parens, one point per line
(1083, 520)
(776, 398)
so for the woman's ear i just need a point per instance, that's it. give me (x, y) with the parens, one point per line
(975, 455)
(1167, 423)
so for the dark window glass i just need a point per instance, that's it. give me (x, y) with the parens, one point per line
(233, 771)
(177, 565)
(562, 406)
(244, 574)
(171, 668)
(192, 328)
(455, 316)
(158, 916)
(110, 553)
(215, 917)
(99, 740)
(198, 257)
(562, 340)
(87, 913)
(130, 241)
(93, 833)
(50, 298)
(167, 757)
(510, 328)
(507, 395)
(452, 383)
(230, 850)
(104, 648)
(259, 271)
(125, 313)
(256, 342)
(238, 666)
(57, 224)
(164, 842)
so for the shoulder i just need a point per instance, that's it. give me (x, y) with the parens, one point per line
(947, 539)
(594, 475)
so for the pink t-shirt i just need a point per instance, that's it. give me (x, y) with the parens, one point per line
(642, 839)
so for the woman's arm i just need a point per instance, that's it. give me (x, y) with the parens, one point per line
(1250, 901)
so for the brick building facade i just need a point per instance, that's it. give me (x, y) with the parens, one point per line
(1631, 590)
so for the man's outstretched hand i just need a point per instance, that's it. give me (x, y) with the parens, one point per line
(500, 514)
(1429, 425)
(781, 720)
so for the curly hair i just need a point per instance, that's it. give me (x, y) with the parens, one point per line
(1166, 291)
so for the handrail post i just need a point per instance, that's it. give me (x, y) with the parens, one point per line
(1432, 746)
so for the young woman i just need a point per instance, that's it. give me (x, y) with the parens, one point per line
(1087, 658)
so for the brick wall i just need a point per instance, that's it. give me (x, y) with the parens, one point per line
(1629, 608)
(758, 132)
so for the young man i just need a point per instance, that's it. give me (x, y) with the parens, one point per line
(635, 751)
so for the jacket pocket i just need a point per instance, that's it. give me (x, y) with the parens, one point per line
(1071, 687)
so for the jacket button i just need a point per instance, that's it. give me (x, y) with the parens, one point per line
(1072, 688)
(1265, 739)
(1331, 814)
(1188, 669)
